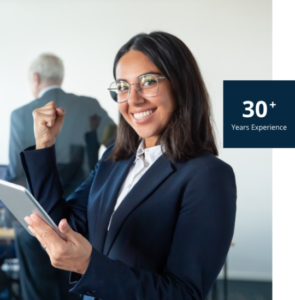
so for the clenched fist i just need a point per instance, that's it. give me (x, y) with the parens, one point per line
(48, 122)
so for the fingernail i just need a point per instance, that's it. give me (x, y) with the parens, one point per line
(34, 217)
(31, 229)
(28, 220)
(64, 224)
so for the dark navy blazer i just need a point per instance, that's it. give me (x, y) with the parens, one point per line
(169, 237)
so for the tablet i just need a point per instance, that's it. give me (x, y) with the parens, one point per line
(21, 203)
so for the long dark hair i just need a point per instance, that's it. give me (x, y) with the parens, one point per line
(189, 132)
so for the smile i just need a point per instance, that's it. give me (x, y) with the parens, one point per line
(142, 115)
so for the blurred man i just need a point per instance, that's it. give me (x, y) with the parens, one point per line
(86, 126)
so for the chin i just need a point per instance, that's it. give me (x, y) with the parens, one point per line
(147, 135)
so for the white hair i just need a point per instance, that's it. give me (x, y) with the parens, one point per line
(49, 67)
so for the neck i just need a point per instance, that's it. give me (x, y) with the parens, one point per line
(44, 85)
(150, 142)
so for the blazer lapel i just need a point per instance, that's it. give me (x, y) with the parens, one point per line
(157, 173)
(108, 200)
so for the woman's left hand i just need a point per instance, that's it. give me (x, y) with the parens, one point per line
(71, 255)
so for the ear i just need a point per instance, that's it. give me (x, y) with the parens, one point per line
(34, 81)
(36, 78)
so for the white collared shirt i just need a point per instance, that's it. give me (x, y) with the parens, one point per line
(48, 89)
(143, 161)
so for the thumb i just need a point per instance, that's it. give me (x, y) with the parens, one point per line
(65, 228)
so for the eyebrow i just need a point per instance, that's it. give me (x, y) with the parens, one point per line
(153, 73)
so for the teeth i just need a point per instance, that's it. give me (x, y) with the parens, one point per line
(143, 114)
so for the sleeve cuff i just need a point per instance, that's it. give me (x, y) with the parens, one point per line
(91, 282)
(74, 277)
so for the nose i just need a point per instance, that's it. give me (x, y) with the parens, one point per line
(135, 98)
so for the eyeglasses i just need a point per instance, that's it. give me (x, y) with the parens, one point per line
(147, 86)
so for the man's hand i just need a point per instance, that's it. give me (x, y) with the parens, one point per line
(71, 255)
(48, 122)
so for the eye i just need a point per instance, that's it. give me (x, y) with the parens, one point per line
(122, 86)
(148, 81)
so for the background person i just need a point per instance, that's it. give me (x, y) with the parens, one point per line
(159, 207)
(86, 127)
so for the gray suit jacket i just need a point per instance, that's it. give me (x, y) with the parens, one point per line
(70, 143)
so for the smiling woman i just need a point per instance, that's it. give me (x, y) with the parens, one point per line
(159, 208)
(148, 108)
(178, 99)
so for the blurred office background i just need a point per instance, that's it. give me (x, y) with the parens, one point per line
(231, 40)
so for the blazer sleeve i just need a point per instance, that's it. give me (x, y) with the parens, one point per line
(201, 241)
(45, 185)
(14, 170)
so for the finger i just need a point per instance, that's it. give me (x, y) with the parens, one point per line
(39, 238)
(28, 221)
(43, 232)
(51, 104)
(32, 230)
(60, 112)
(47, 119)
(48, 111)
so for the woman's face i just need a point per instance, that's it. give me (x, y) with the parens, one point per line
(129, 68)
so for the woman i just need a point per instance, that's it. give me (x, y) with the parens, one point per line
(159, 208)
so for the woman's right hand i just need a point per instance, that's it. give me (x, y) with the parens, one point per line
(48, 122)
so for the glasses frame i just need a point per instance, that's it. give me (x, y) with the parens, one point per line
(136, 87)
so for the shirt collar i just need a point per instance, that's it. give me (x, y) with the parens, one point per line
(150, 154)
(48, 89)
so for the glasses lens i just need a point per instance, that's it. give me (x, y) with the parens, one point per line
(148, 85)
(119, 91)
